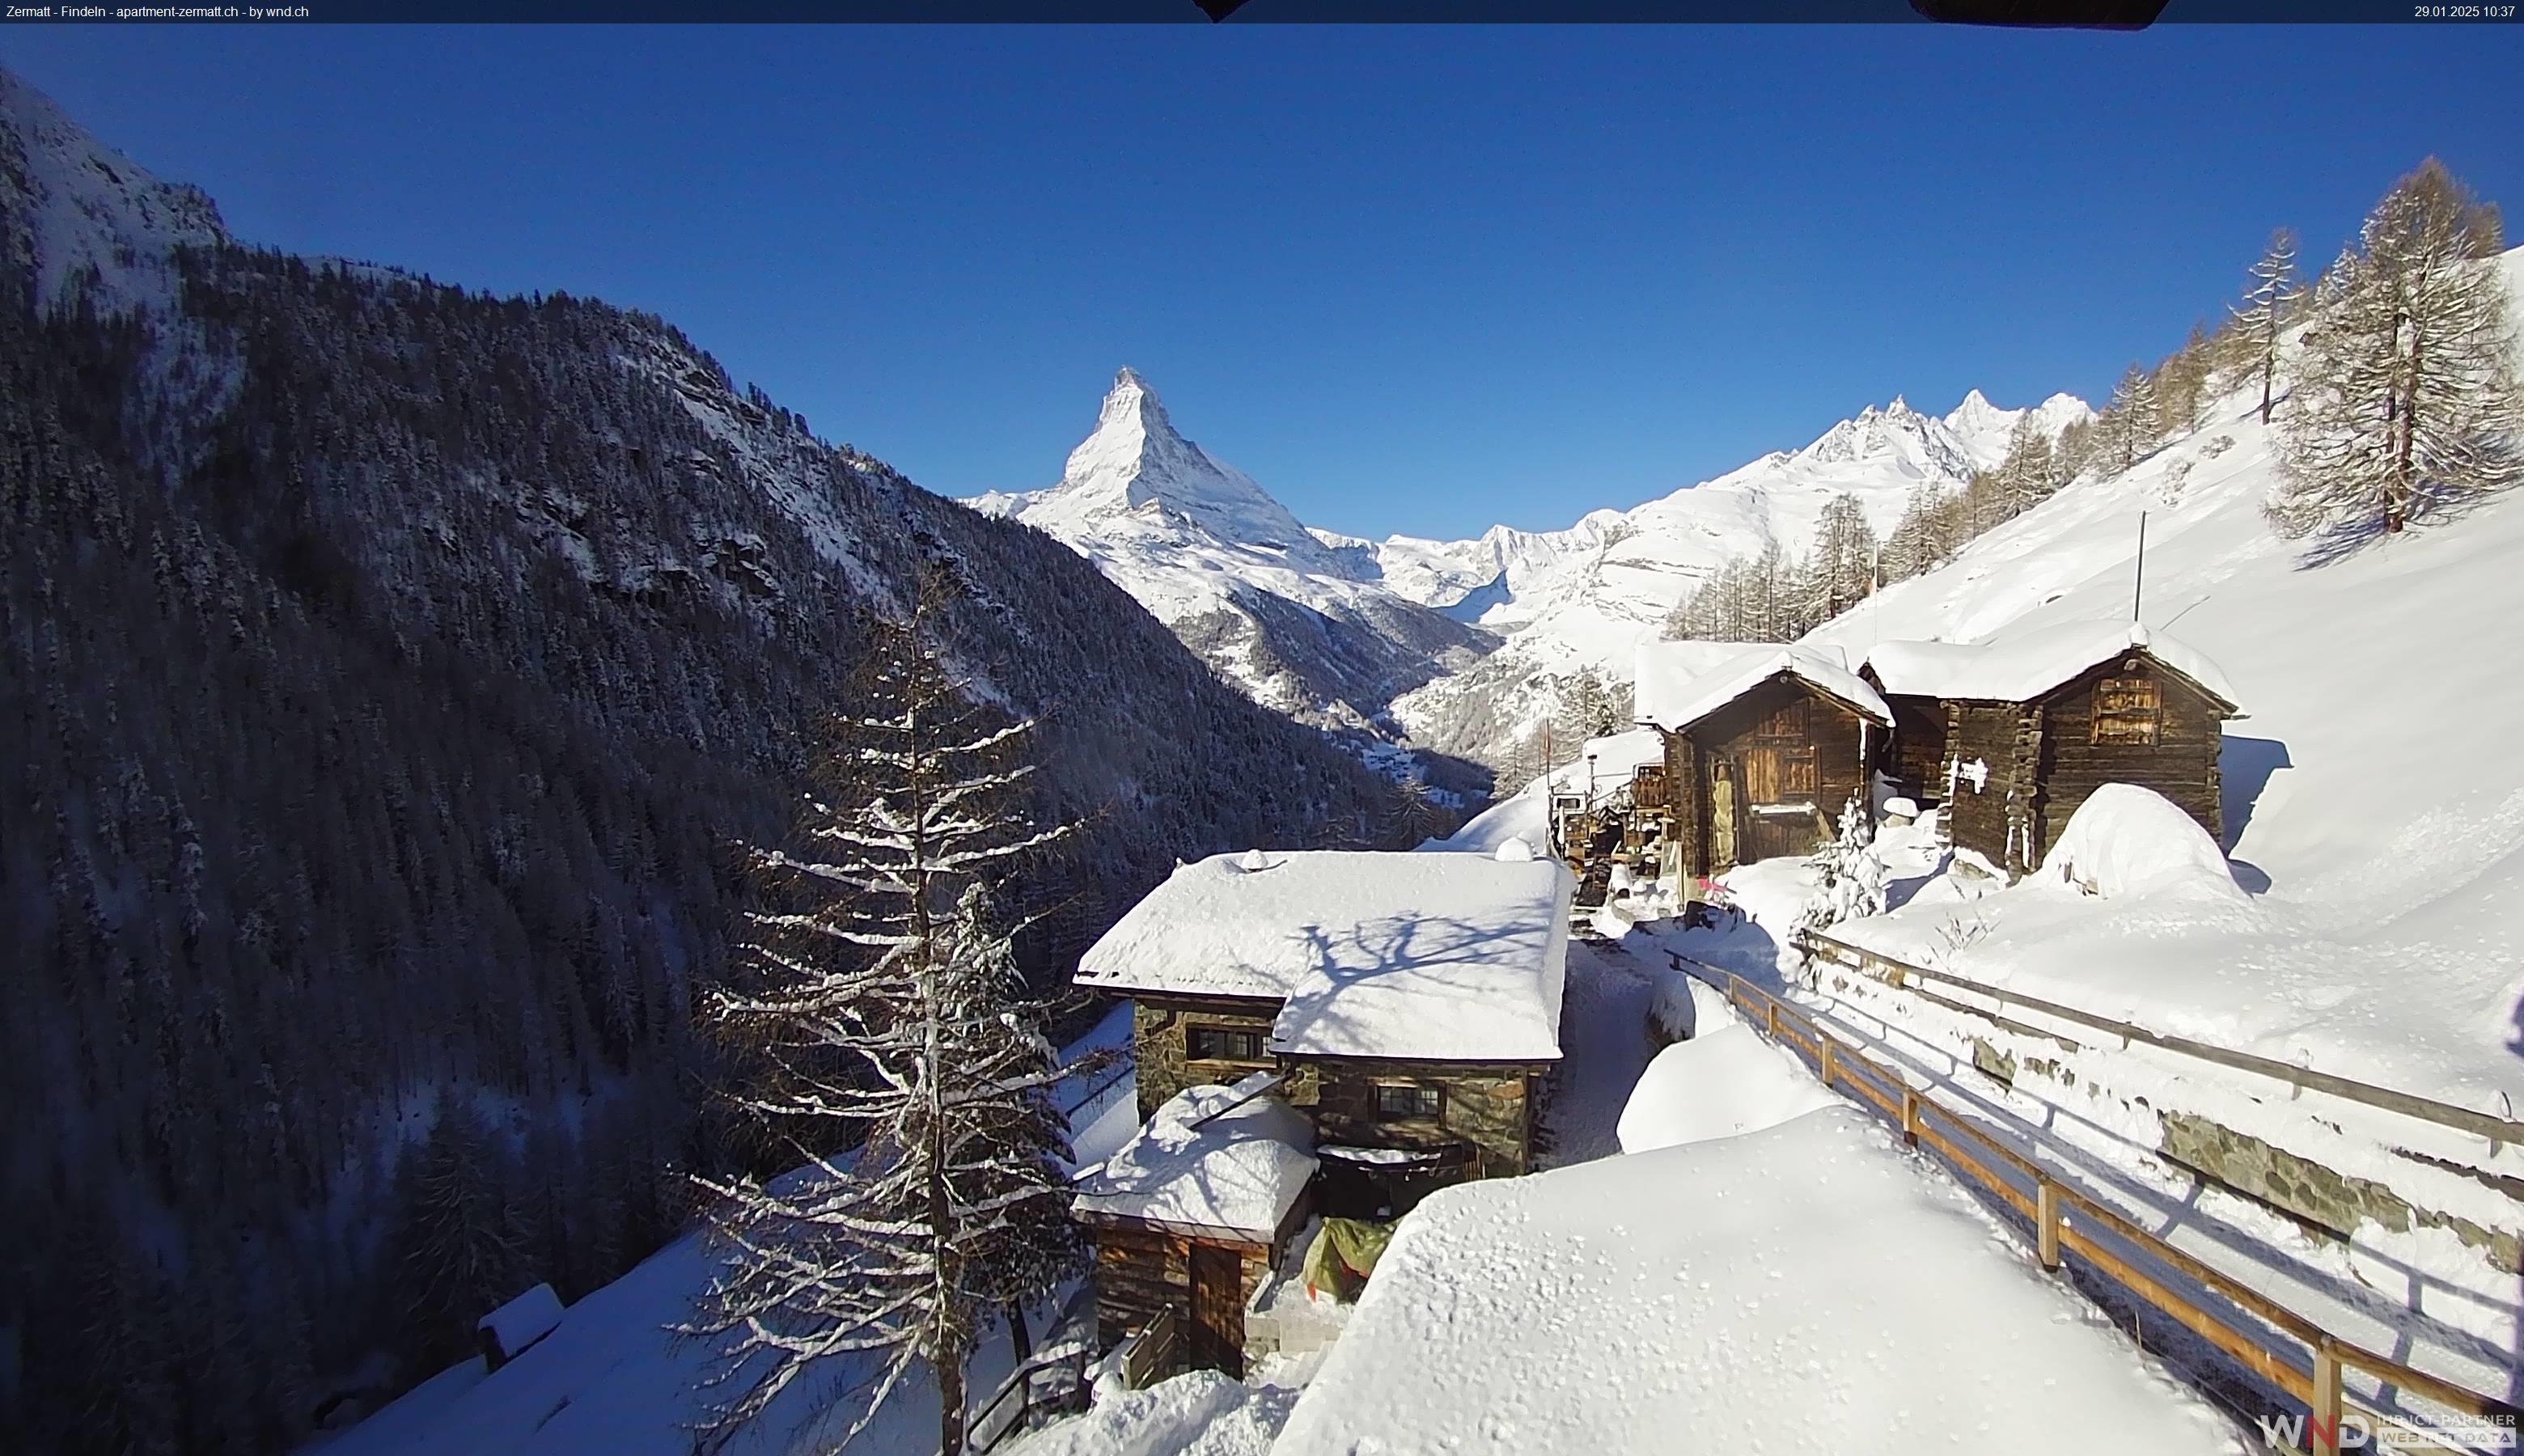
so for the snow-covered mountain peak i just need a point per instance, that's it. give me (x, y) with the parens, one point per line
(91, 212)
(1976, 419)
(1913, 445)
(1297, 616)
(1136, 460)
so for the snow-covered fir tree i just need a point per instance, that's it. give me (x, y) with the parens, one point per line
(1851, 874)
(2403, 395)
(877, 997)
(2270, 301)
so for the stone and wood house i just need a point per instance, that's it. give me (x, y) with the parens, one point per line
(1764, 743)
(1403, 1009)
(2011, 737)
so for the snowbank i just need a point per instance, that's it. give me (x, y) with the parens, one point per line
(1447, 957)
(1200, 1413)
(1734, 1295)
(1204, 1163)
(1721, 1082)
(2128, 843)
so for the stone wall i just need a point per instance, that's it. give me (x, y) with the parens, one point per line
(2313, 1192)
(1160, 1044)
(1487, 1106)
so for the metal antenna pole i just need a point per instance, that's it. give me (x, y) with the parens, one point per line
(2138, 576)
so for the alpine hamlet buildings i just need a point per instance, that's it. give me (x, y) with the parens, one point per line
(2013, 737)
(1385, 1018)
(1766, 742)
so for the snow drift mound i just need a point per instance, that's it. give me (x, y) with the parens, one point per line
(1721, 1082)
(2125, 841)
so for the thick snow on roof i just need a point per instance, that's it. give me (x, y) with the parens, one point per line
(1739, 1294)
(1681, 683)
(523, 1320)
(1442, 958)
(1204, 1162)
(2022, 666)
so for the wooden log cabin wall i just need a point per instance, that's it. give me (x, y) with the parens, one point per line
(1206, 1277)
(2013, 771)
(1763, 776)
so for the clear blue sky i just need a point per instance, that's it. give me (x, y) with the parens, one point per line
(1410, 280)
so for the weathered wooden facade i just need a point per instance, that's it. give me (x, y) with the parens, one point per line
(2013, 744)
(1206, 1277)
(1761, 753)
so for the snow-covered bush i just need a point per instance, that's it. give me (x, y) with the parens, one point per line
(1851, 875)
(2126, 842)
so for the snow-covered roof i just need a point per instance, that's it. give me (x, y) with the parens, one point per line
(523, 1320)
(1730, 1296)
(1680, 683)
(2023, 667)
(1439, 957)
(1209, 1161)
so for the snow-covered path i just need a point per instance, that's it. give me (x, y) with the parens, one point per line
(2444, 1325)
(1603, 1049)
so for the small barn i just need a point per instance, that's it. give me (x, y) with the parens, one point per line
(2013, 736)
(1405, 1005)
(1192, 1215)
(1764, 744)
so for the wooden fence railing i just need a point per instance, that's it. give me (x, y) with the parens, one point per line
(2498, 1129)
(2066, 1222)
(1151, 1352)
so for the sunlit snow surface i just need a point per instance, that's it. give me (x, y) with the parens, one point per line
(1806, 1289)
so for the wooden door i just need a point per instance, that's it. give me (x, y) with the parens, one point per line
(1217, 1309)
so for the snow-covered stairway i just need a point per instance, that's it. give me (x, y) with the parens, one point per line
(2246, 1349)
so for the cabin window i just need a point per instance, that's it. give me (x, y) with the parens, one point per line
(2126, 710)
(1223, 1043)
(1395, 1100)
(1787, 725)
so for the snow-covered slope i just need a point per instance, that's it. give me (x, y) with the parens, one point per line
(1300, 621)
(1582, 596)
(2374, 797)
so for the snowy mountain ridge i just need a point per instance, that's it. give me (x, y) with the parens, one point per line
(1584, 597)
(99, 214)
(1406, 633)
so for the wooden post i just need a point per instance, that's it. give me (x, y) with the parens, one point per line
(1910, 1115)
(1771, 1017)
(2046, 1214)
(1828, 1061)
(2324, 1425)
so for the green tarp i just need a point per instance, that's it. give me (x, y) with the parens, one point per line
(1343, 1254)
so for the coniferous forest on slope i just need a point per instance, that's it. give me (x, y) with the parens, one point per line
(389, 674)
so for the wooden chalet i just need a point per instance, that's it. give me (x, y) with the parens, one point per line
(2011, 737)
(1405, 1006)
(1192, 1215)
(1764, 743)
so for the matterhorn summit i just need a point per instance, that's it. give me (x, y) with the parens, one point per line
(1137, 462)
(1300, 619)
